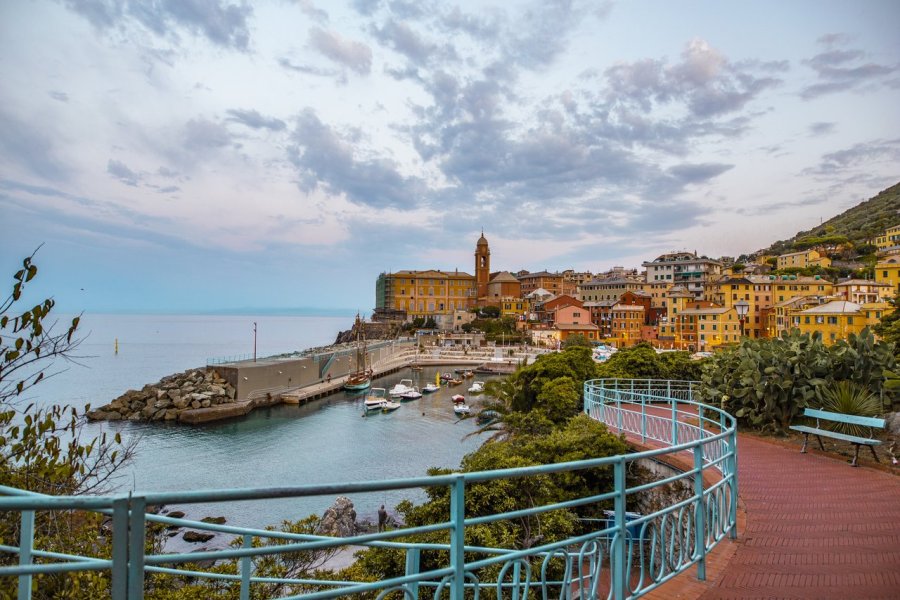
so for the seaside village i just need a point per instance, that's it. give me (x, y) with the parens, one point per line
(679, 300)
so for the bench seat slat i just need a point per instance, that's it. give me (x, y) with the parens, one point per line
(842, 418)
(834, 434)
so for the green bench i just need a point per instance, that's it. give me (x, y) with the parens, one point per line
(823, 415)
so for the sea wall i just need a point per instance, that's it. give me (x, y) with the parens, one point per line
(169, 398)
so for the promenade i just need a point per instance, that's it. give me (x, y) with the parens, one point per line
(815, 528)
(811, 527)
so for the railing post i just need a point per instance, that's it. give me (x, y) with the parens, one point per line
(674, 421)
(119, 584)
(732, 443)
(413, 556)
(136, 537)
(457, 539)
(619, 410)
(618, 566)
(700, 514)
(643, 420)
(26, 545)
(246, 568)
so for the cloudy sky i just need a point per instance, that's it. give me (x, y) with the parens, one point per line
(213, 154)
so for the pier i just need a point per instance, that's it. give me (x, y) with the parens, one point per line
(299, 380)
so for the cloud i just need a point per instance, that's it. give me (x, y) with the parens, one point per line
(308, 69)
(57, 95)
(254, 120)
(203, 135)
(324, 159)
(821, 128)
(313, 12)
(401, 38)
(120, 171)
(31, 147)
(353, 55)
(224, 24)
(698, 173)
(864, 154)
(839, 69)
(703, 80)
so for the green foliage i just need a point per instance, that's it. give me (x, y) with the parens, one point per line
(577, 340)
(767, 383)
(41, 448)
(643, 362)
(579, 438)
(858, 224)
(811, 241)
(575, 364)
(889, 326)
(490, 312)
(849, 398)
(430, 324)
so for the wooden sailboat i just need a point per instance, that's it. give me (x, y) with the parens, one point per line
(362, 378)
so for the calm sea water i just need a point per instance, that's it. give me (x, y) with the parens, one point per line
(326, 441)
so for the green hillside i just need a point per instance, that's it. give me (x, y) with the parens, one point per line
(857, 225)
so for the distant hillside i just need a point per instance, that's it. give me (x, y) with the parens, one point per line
(858, 224)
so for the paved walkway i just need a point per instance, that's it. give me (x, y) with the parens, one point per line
(815, 528)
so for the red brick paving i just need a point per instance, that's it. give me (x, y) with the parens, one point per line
(816, 528)
(811, 527)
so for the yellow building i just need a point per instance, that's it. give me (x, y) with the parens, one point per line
(425, 293)
(863, 291)
(888, 271)
(890, 240)
(782, 317)
(626, 321)
(802, 260)
(705, 328)
(511, 306)
(837, 319)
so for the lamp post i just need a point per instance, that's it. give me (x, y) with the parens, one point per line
(742, 307)
(254, 341)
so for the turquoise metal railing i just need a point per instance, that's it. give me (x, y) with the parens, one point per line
(625, 556)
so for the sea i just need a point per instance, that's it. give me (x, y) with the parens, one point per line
(325, 441)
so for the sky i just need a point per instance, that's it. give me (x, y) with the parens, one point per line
(213, 155)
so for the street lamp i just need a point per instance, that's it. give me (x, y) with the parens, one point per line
(742, 307)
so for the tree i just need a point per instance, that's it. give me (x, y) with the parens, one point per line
(490, 312)
(43, 449)
(576, 340)
(889, 326)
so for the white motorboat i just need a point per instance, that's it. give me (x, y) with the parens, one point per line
(461, 408)
(429, 388)
(390, 406)
(401, 388)
(375, 399)
(477, 387)
(413, 394)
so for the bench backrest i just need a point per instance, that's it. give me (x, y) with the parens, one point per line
(842, 418)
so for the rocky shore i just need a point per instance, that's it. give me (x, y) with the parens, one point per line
(167, 399)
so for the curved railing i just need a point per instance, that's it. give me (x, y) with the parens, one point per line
(624, 556)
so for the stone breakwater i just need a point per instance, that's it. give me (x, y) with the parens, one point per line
(169, 398)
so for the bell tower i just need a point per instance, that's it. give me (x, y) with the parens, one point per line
(482, 266)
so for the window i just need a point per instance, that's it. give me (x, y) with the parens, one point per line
(832, 320)
(849, 320)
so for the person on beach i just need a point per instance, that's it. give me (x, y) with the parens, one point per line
(382, 518)
(328, 379)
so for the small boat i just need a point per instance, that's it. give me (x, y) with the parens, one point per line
(361, 379)
(375, 399)
(468, 373)
(430, 387)
(390, 406)
(401, 388)
(415, 367)
(461, 409)
(458, 398)
(454, 381)
(446, 376)
(477, 387)
(413, 394)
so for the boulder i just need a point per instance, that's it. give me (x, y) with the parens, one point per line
(181, 403)
(339, 520)
(163, 403)
(160, 394)
(214, 520)
(171, 414)
(195, 404)
(197, 536)
(205, 403)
